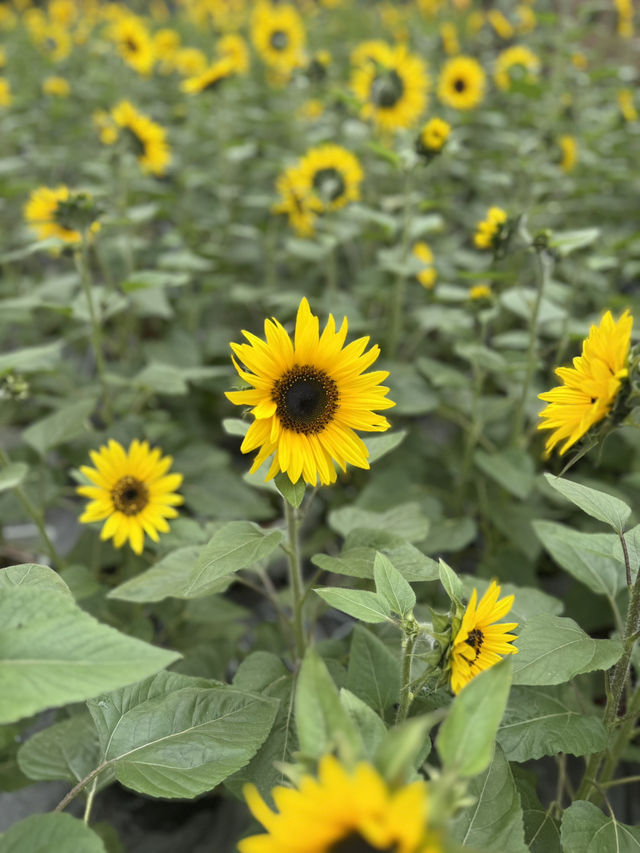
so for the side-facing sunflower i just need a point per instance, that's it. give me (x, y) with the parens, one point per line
(278, 35)
(59, 212)
(133, 42)
(149, 140)
(462, 83)
(591, 386)
(392, 85)
(308, 398)
(340, 811)
(569, 151)
(332, 174)
(131, 492)
(210, 78)
(516, 62)
(482, 638)
(297, 202)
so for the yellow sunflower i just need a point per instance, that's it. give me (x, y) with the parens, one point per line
(59, 212)
(480, 642)
(211, 77)
(516, 62)
(433, 137)
(481, 291)
(462, 83)
(342, 810)
(5, 92)
(57, 86)
(626, 105)
(190, 61)
(332, 174)
(427, 276)
(132, 491)
(489, 231)
(235, 48)
(591, 386)
(301, 206)
(149, 139)
(308, 398)
(278, 35)
(569, 150)
(500, 24)
(134, 43)
(392, 85)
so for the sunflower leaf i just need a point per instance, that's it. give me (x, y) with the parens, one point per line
(392, 586)
(65, 424)
(12, 475)
(374, 672)
(42, 833)
(451, 583)
(586, 828)
(293, 493)
(361, 604)
(597, 504)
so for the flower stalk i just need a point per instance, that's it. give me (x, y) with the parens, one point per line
(295, 577)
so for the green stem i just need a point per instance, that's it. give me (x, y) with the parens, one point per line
(73, 793)
(295, 577)
(400, 287)
(82, 262)
(90, 795)
(36, 516)
(406, 694)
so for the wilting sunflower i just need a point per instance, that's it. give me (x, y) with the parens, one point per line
(342, 811)
(462, 83)
(591, 386)
(148, 139)
(211, 77)
(132, 491)
(297, 202)
(59, 212)
(392, 85)
(489, 230)
(133, 42)
(332, 174)
(433, 137)
(309, 397)
(278, 35)
(569, 150)
(480, 642)
(516, 62)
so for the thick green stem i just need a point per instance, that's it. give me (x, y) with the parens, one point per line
(406, 694)
(90, 795)
(295, 577)
(36, 516)
(400, 286)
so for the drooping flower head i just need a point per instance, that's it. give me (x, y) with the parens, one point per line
(148, 139)
(482, 638)
(211, 77)
(308, 397)
(60, 212)
(132, 491)
(591, 386)
(343, 811)
(462, 83)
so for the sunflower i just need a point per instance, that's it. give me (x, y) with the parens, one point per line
(211, 77)
(517, 58)
(462, 83)
(480, 292)
(626, 105)
(332, 174)
(308, 397)
(591, 386)
(235, 48)
(480, 642)
(59, 212)
(569, 150)
(149, 139)
(57, 86)
(5, 92)
(449, 36)
(427, 276)
(301, 206)
(190, 61)
(433, 137)
(132, 491)
(392, 85)
(342, 810)
(134, 43)
(278, 35)
(500, 24)
(166, 44)
(489, 231)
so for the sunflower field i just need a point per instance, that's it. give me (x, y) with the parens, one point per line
(319, 409)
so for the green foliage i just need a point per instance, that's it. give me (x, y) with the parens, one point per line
(585, 829)
(45, 832)
(597, 504)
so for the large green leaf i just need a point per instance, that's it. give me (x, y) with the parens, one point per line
(237, 545)
(12, 475)
(512, 469)
(545, 721)
(597, 504)
(46, 833)
(31, 359)
(374, 673)
(359, 603)
(467, 736)
(33, 574)
(175, 736)
(585, 829)
(54, 653)
(405, 520)
(358, 562)
(494, 821)
(65, 424)
(391, 586)
(552, 649)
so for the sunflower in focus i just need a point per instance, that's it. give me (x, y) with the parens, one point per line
(480, 641)
(131, 492)
(60, 212)
(392, 85)
(490, 230)
(148, 139)
(591, 386)
(278, 35)
(211, 77)
(332, 174)
(433, 137)
(516, 63)
(343, 810)
(308, 398)
(133, 42)
(462, 83)
(297, 202)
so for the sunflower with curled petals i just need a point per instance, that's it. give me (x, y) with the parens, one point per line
(462, 83)
(342, 811)
(308, 397)
(482, 638)
(332, 174)
(278, 35)
(392, 85)
(591, 386)
(131, 492)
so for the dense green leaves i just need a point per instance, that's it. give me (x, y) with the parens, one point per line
(63, 425)
(406, 521)
(44, 833)
(585, 829)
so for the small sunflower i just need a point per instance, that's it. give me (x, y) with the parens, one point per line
(343, 810)
(569, 150)
(234, 47)
(278, 35)
(433, 137)
(392, 85)
(427, 276)
(462, 83)
(627, 105)
(516, 62)
(297, 202)
(211, 77)
(59, 212)
(591, 386)
(132, 491)
(5, 92)
(54, 41)
(502, 26)
(308, 398)
(133, 42)
(480, 642)
(149, 140)
(449, 36)
(190, 61)
(57, 86)
(489, 231)
(332, 174)
(480, 292)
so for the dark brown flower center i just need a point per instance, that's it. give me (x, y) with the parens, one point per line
(355, 843)
(279, 40)
(460, 84)
(306, 398)
(130, 495)
(475, 640)
(387, 89)
(329, 183)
